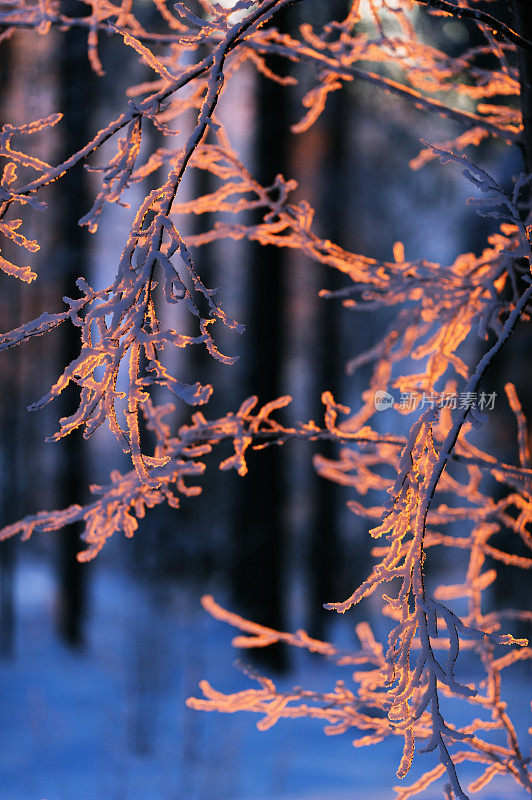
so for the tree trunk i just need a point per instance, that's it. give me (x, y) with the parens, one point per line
(76, 82)
(522, 12)
(512, 587)
(324, 533)
(260, 530)
(9, 410)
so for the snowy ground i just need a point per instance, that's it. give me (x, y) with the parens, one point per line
(111, 723)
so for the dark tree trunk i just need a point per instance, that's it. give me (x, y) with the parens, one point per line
(513, 586)
(10, 457)
(76, 82)
(260, 530)
(9, 410)
(522, 12)
(324, 533)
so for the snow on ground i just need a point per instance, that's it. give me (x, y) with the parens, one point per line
(110, 723)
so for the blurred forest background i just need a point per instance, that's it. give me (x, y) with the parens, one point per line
(121, 641)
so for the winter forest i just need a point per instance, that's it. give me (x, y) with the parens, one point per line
(265, 471)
